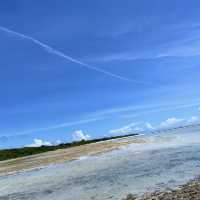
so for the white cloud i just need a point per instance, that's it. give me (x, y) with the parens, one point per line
(122, 130)
(101, 115)
(149, 126)
(57, 142)
(80, 135)
(138, 129)
(126, 129)
(193, 119)
(39, 143)
(171, 122)
(168, 123)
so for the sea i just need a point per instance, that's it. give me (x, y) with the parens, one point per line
(169, 159)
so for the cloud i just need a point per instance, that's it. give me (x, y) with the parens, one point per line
(171, 122)
(126, 129)
(149, 126)
(193, 119)
(39, 143)
(60, 54)
(198, 108)
(138, 129)
(80, 135)
(123, 130)
(57, 142)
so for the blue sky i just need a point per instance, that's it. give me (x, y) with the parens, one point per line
(150, 51)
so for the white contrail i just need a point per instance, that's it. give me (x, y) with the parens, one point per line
(51, 50)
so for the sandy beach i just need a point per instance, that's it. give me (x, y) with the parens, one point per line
(63, 155)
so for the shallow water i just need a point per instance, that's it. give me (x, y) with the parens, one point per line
(168, 160)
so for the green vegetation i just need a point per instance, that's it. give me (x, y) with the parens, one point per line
(26, 151)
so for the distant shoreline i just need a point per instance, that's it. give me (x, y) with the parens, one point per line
(39, 160)
(6, 154)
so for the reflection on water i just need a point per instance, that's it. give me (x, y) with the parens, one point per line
(166, 161)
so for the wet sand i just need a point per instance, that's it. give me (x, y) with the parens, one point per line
(63, 155)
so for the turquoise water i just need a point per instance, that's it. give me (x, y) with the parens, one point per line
(167, 160)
